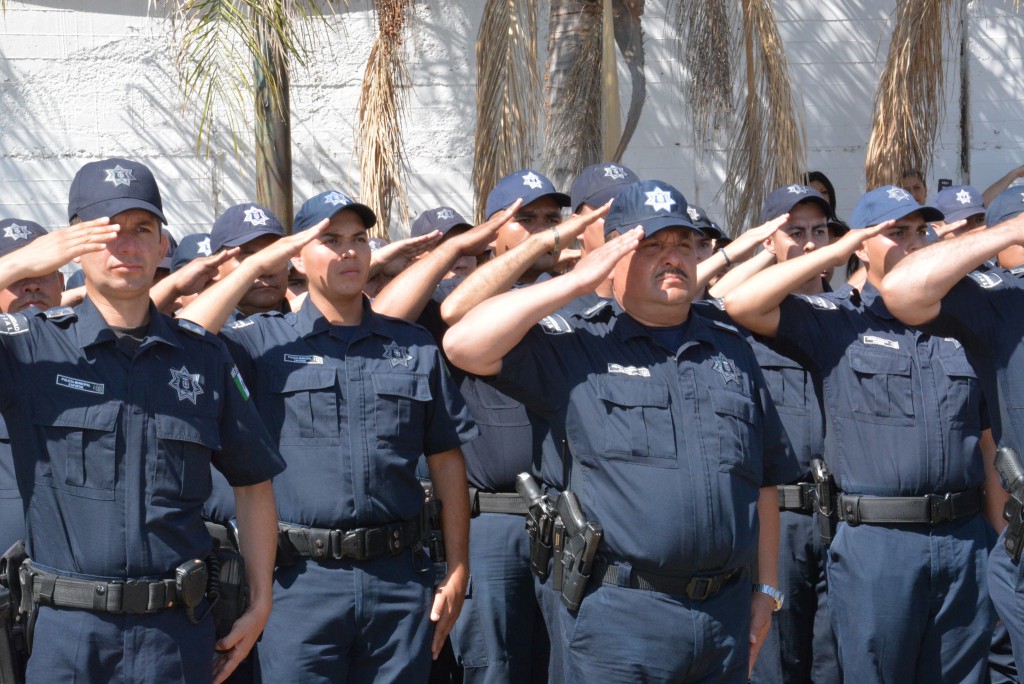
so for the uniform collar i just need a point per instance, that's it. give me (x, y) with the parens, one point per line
(627, 327)
(92, 328)
(873, 302)
(310, 321)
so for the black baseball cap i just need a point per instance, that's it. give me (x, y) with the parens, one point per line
(704, 223)
(108, 187)
(191, 247)
(958, 202)
(526, 183)
(243, 223)
(599, 183)
(782, 200)
(326, 205)
(16, 233)
(1007, 205)
(652, 203)
(443, 219)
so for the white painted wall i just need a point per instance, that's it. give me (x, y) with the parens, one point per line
(85, 80)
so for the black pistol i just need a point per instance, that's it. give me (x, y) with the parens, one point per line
(582, 538)
(824, 500)
(539, 520)
(1011, 474)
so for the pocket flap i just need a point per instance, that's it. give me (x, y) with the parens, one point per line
(197, 430)
(957, 367)
(407, 385)
(630, 391)
(875, 363)
(733, 404)
(302, 379)
(101, 417)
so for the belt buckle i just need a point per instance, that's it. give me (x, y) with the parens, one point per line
(377, 541)
(699, 588)
(940, 507)
(134, 597)
(352, 544)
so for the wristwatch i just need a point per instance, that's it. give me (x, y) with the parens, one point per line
(774, 593)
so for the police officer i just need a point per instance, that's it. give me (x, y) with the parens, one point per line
(116, 413)
(962, 207)
(354, 399)
(938, 290)
(448, 223)
(906, 569)
(675, 448)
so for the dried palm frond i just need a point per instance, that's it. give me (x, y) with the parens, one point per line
(909, 102)
(507, 93)
(572, 137)
(380, 132)
(704, 28)
(770, 148)
(629, 36)
(611, 108)
(219, 44)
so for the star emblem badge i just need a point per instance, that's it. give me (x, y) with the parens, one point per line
(659, 200)
(963, 197)
(119, 176)
(16, 232)
(335, 198)
(797, 189)
(614, 172)
(186, 384)
(445, 214)
(398, 356)
(693, 213)
(531, 180)
(898, 194)
(203, 247)
(725, 368)
(256, 216)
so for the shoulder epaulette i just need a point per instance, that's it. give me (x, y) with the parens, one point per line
(59, 312)
(819, 302)
(191, 327)
(602, 307)
(14, 323)
(1017, 271)
(726, 326)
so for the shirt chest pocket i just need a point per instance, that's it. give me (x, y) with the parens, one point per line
(182, 468)
(637, 421)
(883, 387)
(963, 391)
(400, 408)
(739, 436)
(494, 408)
(81, 442)
(787, 384)
(310, 401)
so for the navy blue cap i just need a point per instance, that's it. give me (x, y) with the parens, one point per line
(76, 279)
(108, 187)
(525, 183)
(653, 203)
(172, 247)
(16, 233)
(1007, 204)
(958, 202)
(191, 247)
(888, 203)
(782, 200)
(443, 219)
(599, 183)
(326, 205)
(243, 223)
(703, 222)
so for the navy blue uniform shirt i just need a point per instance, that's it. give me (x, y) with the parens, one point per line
(905, 407)
(669, 450)
(12, 515)
(116, 444)
(352, 408)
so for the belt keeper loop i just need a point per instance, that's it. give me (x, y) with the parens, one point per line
(625, 574)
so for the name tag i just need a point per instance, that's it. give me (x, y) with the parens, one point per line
(309, 360)
(80, 385)
(629, 370)
(881, 342)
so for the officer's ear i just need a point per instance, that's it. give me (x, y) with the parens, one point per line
(299, 264)
(769, 244)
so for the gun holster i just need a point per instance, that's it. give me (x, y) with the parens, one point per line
(15, 624)
(824, 499)
(227, 589)
(581, 540)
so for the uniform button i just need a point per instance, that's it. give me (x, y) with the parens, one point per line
(100, 589)
(319, 543)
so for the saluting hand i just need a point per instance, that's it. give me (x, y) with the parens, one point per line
(845, 246)
(51, 251)
(394, 257)
(475, 241)
(593, 269)
(195, 276)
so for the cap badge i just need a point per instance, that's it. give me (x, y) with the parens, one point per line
(531, 180)
(445, 214)
(256, 216)
(614, 172)
(898, 194)
(119, 176)
(203, 247)
(659, 200)
(186, 384)
(693, 213)
(963, 197)
(797, 189)
(335, 198)
(16, 232)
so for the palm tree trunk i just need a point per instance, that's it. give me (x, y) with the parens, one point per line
(274, 137)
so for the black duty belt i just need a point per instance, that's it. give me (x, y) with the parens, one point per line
(131, 596)
(496, 502)
(695, 587)
(364, 543)
(931, 509)
(798, 497)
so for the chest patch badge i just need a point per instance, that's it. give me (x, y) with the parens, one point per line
(186, 384)
(398, 356)
(725, 368)
(880, 342)
(80, 385)
(640, 372)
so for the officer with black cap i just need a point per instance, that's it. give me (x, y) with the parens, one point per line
(448, 223)
(113, 443)
(906, 566)
(942, 290)
(674, 444)
(355, 399)
(959, 203)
